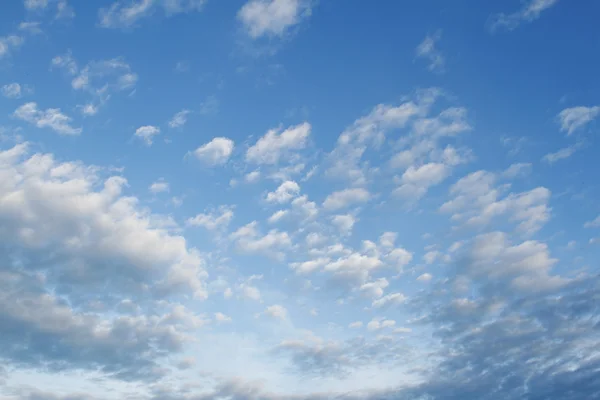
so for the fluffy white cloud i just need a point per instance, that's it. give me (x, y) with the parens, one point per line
(216, 152)
(179, 119)
(51, 118)
(426, 277)
(417, 180)
(284, 193)
(561, 154)
(272, 17)
(146, 133)
(88, 109)
(575, 118)
(427, 49)
(346, 198)
(377, 324)
(98, 236)
(530, 11)
(275, 144)
(517, 170)
(374, 289)
(216, 219)
(344, 222)
(126, 14)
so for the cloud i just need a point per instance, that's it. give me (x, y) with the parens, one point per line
(477, 202)
(392, 299)
(126, 14)
(517, 170)
(595, 223)
(277, 216)
(12, 91)
(217, 219)
(146, 133)
(179, 119)
(426, 277)
(346, 198)
(374, 289)
(427, 50)
(216, 152)
(284, 193)
(575, 118)
(272, 18)
(88, 109)
(561, 154)
(276, 144)
(159, 186)
(344, 222)
(35, 4)
(276, 311)
(51, 118)
(222, 318)
(531, 10)
(249, 240)
(9, 43)
(90, 243)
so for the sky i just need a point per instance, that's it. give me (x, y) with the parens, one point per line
(299, 199)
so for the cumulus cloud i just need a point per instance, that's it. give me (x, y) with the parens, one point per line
(284, 193)
(248, 239)
(51, 118)
(272, 18)
(159, 186)
(346, 198)
(276, 144)
(276, 311)
(530, 11)
(146, 133)
(12, 90)
(216, 152)
(561, 154)
(9, 43)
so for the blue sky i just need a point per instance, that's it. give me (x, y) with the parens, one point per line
(290, 199)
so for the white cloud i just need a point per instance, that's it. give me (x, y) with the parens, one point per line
(310, 266)
(35, 4)
(159, 186)
(426, 277)
(561, 154)
(595, 223)
(12, 90)
(377, 324)
(517, 170)
(179, 119)
(216, 152)
(146, 133)
(345, 198)
(249, 240)
(126, 14)
(222, 318)
(31, 27)
(51, 118)
(417, 180)
(355, 325)
(477, 202)
(374, 289)
(344, 222)
(284, 193)
(275, 144)
(272, 17)
(216, 219)
(99, 236)
(575, 118)
(427, 50)
(530, 11)
(392, 299)
(277, 216)
(252, 177)
(276, 311)
(88, 109)
(8, 43)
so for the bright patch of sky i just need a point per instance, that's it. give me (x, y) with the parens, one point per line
(298, 199)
